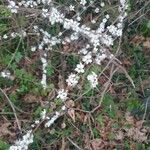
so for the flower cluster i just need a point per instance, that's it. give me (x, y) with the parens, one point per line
(62, 94)
(13, 7)
(72, 80)
(87, 58)
(5, 74)
(55, 117)
(24, 142)
(44, 62)
(79, 68)
(92, 78)
(72, 30)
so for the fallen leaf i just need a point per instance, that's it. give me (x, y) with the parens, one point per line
(97, 144)
(146, 44)
(71, 113)
(30, 98)
(129, 118)
(5, 131)
(137, 40)
(119, 136)
(70, 103)
(63, 125)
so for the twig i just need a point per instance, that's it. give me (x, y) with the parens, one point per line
(14, 54)
(12, 106)
(146, 108)
(74, 144)
(106, 87)
(124, 70)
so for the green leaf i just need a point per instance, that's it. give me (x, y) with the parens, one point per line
(50, 70)
(148, 24)
(18, 57)
(100, 120)
(3, 145)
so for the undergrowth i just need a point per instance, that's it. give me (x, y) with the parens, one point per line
(74, 75)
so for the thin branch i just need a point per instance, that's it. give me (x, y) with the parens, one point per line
(12, 106)
(73, 143)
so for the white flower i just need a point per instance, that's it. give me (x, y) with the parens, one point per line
(87, 58)
(74, 36)
(71, 8)
(80, 68)
(78, 18)
(119, 32)
(102, 4)
(46, 1)
(107, 40)
(119, 25)
(97, 10)
(13, 35)
(63, 108)
(33, 48)
(104, 20)
(12, 6)
(123, 2)
(43, 114)
(24, 142)
(107, 16)
(44, 76)
(83, 2)
(99, 58)
(92, 78)
(37, 121)
(52, 120)
(45, 13)
(83, 51)
(5, 36)
(62, 94)
(93, 21)
(55, 16)
(5, 74)
(72, 80)
(23, 33)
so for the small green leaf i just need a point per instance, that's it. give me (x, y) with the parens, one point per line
(3, 145)
(148, 24)
(50, 70)
(18, 57)
(100, 120)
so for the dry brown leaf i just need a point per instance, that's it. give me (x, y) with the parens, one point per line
(61, 82)
(53, 105)
(64, 145)
(136, 134)
(139, 124)
(99, 144)
(87, 142)
(129, 118)
(4, 130)
(146, 44)
(119, 136)
(63, 125)
(85, 119)
(30, 98)
(66, 47)
(137, 40)
(51, 95)
(71, 113)
(96, 144)
(133, 146)
(70, 103)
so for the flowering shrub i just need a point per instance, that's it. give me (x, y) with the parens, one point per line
(97, 38)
